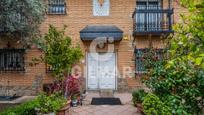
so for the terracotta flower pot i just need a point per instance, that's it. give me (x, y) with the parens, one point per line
(33, 46)
(51, 113)
(140, 107)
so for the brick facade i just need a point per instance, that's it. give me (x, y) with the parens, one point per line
(79, 15)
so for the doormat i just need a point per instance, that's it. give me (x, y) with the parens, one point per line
(106, 101)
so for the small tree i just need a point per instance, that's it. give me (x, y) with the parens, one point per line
(58, 51)
(21, 17)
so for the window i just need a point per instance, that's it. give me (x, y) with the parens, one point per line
(101, 7)
(12, 59)
(141, 55)
(140, 67)
(56, 7)
(148, 21)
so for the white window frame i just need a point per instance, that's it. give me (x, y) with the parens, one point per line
(99, 10)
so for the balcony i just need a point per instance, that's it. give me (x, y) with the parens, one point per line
(153, 21)
(12, 60)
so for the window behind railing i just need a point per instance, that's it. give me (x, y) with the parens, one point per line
(12, 59)
(148, 21)
(56, 7)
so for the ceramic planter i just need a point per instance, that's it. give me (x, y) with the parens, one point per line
(74, 102)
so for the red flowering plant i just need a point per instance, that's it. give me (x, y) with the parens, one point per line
(56, 87)
(69, 86)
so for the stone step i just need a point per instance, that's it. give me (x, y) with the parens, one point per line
(106, 93)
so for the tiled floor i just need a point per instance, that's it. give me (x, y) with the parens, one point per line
(125, 109)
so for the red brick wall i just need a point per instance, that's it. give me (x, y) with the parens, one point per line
(79, 14)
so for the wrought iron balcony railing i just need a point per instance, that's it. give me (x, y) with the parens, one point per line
(153, 21)
(12, 60)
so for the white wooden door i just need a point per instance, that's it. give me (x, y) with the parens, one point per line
(101, 73)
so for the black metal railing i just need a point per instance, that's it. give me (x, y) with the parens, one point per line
(56, 7)
(12, 59)
(152, 20)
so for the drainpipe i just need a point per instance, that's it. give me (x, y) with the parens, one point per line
(8, 88)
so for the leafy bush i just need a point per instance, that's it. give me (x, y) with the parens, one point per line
(138, 96)
(27, 108)
(179, 80)
(59, 51)
(51, 103)
(43, 103)
(154, 106)
(23, 17)
(176, 104)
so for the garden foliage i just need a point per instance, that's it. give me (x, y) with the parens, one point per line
(179, 80)
(59, 52)
(42, 104)
(138, 96)
(154, 106)
(22, 17)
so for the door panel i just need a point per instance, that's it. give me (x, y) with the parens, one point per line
(107, 73)
(92, 71)
(101, 73)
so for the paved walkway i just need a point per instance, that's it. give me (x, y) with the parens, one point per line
(125, 109)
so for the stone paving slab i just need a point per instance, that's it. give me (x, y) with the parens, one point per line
(125, 109)
(104, 110)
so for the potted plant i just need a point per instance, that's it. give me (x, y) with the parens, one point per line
(74, 100)
(48, 105)
(137, 98)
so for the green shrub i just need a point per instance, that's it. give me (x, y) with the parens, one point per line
(43, 103)
(154, 106)
(175, 103)
(138, 96)
(51, 103)
(59, 51)
(27, 108)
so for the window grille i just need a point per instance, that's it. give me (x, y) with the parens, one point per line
(12, 59)
(56, 7)
(141, 56)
